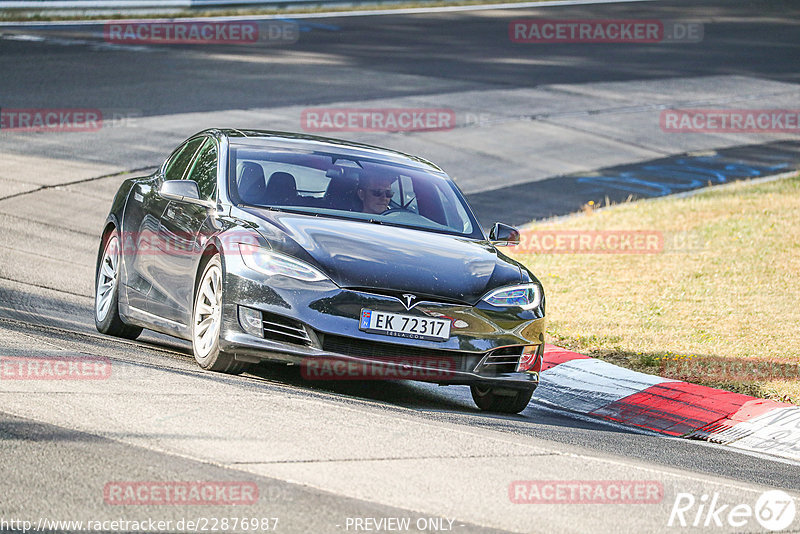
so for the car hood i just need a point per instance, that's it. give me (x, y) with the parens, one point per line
(390, 259)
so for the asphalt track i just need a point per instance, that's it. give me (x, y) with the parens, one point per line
(320, 453)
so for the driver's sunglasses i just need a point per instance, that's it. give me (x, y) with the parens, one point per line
(388, 193)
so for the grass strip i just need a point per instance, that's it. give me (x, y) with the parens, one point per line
(716, 301)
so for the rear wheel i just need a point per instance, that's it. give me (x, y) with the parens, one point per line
(207, 322)
(106, 292)
(503, 400)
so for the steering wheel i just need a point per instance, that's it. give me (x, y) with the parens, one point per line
(396, 210)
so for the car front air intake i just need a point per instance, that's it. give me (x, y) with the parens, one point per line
(284, 329)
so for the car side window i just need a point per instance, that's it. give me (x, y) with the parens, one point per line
(175, 168)
(204, 171)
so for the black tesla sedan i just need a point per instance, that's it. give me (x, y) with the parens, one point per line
(352, 261)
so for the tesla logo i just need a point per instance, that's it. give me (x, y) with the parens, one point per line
(409, 300)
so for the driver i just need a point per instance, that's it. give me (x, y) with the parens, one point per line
(375, 193)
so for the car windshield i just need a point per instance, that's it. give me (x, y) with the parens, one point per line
(338, 185)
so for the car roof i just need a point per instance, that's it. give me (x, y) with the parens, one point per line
(270, 138)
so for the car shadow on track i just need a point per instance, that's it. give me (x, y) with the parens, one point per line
(452, 403)
(403, 393)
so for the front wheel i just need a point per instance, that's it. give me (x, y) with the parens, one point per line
(106, 292)
(207, 322)
(503, 400)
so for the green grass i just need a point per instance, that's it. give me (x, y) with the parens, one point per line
(725, 287)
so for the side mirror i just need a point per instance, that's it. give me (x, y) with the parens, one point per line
(503, 235)
(180, 190)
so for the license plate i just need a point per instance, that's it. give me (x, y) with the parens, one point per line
(409, 326)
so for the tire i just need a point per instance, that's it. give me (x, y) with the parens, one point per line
(106, 291)
(207, 322)
(489, 400)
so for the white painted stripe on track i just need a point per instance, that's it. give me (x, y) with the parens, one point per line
(776, 432)
(333, 14)
(65, 41)
(586, 385)
(754, 454)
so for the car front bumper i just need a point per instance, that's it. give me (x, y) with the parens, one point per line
(336, 348)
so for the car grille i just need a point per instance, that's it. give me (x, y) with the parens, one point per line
(498, 361)
(375, 349)
(284, 329)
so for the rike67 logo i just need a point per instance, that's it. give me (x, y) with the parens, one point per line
(774, 510)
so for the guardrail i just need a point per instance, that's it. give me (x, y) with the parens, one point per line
(135, 4)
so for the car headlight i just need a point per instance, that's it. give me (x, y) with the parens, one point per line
(525, 296)
(272, 263)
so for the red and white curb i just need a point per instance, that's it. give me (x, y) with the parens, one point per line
(588, 386)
